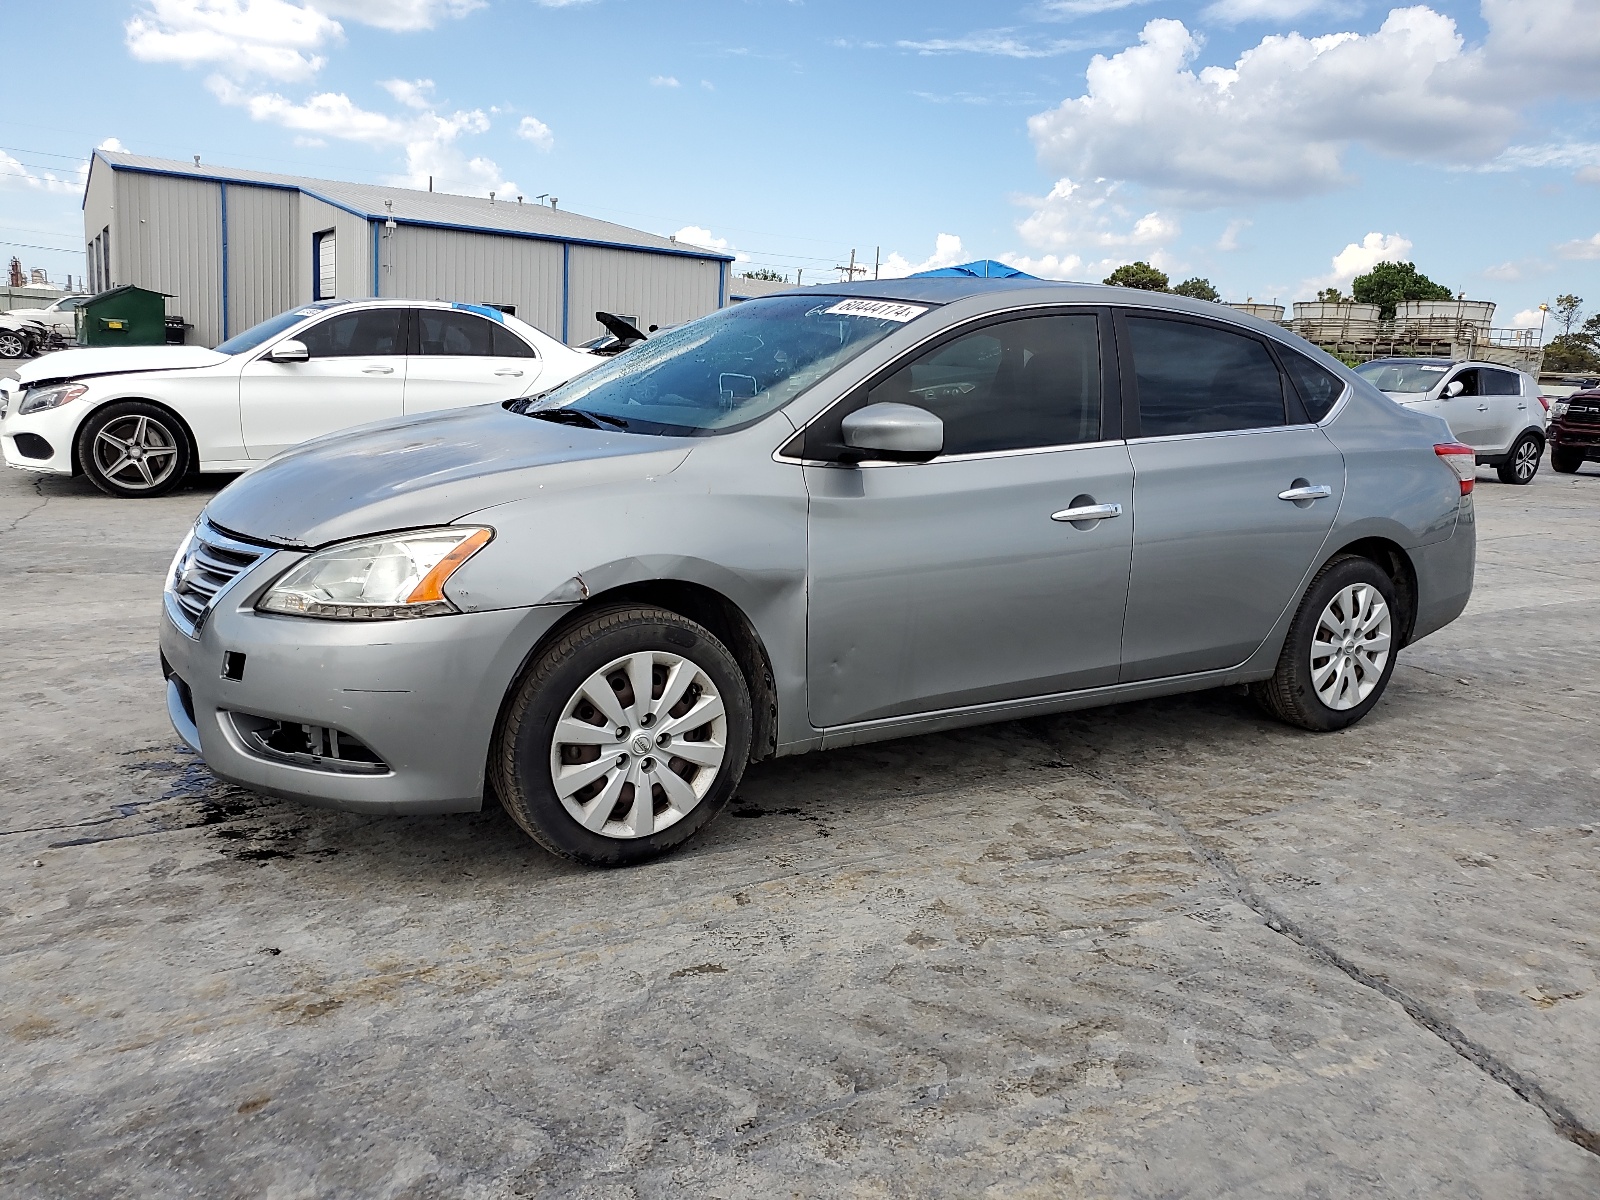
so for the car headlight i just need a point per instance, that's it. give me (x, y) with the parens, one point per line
(1558, 409)
(40, 399)
(377, 579)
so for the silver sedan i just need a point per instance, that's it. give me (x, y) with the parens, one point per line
(811, 520)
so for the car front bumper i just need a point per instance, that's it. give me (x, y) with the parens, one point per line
(54, 429)
(422, 695)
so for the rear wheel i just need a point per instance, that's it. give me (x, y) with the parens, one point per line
(1566, 462)
(133, 449)
(1522, 464)
(626, 737)
(1340, 650)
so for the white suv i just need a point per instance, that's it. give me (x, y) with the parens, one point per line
(1495, 409)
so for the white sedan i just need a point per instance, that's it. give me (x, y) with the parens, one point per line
(136, 420)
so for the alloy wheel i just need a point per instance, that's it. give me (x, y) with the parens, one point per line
(11, 345)
(639, 745)
(1351, 646)
(1526, 460)
(136, 452)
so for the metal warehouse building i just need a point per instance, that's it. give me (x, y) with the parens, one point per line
(233, 247)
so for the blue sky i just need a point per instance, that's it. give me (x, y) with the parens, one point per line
(1273, 146)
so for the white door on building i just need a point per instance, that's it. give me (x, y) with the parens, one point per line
(461, 358)
(356, 373)
(327, 266)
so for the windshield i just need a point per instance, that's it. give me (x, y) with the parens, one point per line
(1401, 377)
(272, 327)
(727, 370)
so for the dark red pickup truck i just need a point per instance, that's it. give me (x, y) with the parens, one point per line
(1574, 432)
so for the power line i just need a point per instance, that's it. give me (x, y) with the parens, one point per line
(31, 246)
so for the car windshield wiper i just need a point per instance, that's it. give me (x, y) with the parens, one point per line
(576, 416)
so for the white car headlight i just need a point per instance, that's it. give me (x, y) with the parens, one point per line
(1558, 409)
(377, 579)
(40, 399)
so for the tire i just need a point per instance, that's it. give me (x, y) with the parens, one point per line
(1522, 464)
(1565, 462)
(599, 821)
(1346, 587)
(107, 442)
(12, 344)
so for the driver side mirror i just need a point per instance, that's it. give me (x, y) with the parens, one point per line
(1452, 389)
(896, 432)
(289, 351)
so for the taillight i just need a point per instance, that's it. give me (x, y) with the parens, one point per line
(1462, 461)
(1545, 400)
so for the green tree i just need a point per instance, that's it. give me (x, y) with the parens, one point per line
(1331, 296)
(766, 273)
(1389, 284)
(1568, 311)
(1198, 289)
(1139, 275)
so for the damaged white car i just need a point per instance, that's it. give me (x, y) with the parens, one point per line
(136, 420)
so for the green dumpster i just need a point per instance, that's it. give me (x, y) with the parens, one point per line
(123, 316)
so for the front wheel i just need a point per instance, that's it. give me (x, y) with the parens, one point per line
(1522, 464)
(1340, 650)
(1565, 462)
(12, 344)
(625, 738)
(131, 449)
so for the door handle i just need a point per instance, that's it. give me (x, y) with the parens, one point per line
(1315, 491)
(509, 371)
(1088, 512)
(1483, 408)
(377, 370)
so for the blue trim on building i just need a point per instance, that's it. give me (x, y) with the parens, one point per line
(226, 332)
(316, 266)
(566, 288)
(367, 216)
(376, 256)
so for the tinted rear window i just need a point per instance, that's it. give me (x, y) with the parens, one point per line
(1201, 379)
(1318, 388)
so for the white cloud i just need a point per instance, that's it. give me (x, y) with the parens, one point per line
(1086, 230)
(1588, 174)
(1506, 272)
(14, 176)
(666, 81)
(947, 252)
(694, 235)
(531, 129)
(1234, 12)
(1279, 120)
(1583, 250)
(1529, 318)
(708, 85)
(1085, 8)
(401, 16)
(273, 38)
(413, 93)
(1357, 258)
(1000, 42)
(1230, 236)
(112, 144)
(428, 138)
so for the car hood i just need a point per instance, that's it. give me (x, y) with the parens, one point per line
(428, 470)
(116, 360)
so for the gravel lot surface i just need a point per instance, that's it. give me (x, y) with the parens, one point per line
(1167, 949)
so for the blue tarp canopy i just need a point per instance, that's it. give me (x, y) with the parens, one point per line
(984, 268)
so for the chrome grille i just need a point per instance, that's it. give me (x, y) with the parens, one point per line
(213, 561)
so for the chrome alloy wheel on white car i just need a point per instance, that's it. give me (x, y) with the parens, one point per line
(639, 745)
(136, 452)
(1351, 646)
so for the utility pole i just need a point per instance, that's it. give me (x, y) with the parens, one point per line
(850, 272)
(877, 256)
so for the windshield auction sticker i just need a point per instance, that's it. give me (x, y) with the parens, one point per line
(881, 309)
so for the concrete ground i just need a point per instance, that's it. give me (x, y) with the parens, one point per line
(1168, 949)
